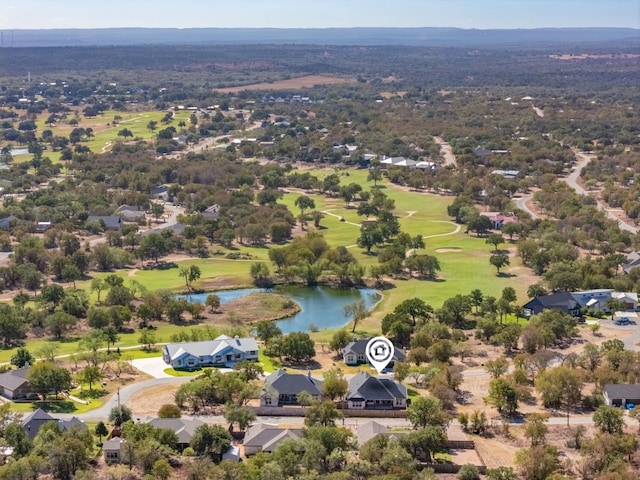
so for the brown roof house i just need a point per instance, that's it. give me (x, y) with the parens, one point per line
(14, 384)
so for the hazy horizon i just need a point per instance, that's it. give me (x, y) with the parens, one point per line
(311, 14)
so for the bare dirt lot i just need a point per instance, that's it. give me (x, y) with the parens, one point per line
(307, 81)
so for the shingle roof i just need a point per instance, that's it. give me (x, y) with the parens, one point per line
(369, 430)
(563, 301)
(184, 428)
(261, 434)
(621, 390)
(364, 386)
(282, 382)
(358, 347)
(14, 379)
(211, 347)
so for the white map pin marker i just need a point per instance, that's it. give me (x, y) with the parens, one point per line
(379, 352)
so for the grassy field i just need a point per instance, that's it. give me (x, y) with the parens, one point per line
(105, 132)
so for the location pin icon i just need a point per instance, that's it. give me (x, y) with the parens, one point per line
(379, 352)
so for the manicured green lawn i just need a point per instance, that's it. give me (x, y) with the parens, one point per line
(182, 373)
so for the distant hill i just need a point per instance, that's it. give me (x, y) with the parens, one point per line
(450, 37)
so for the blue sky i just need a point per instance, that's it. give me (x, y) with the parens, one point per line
(482, 14)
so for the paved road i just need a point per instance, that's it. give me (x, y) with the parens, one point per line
(521, 203)
(572, 180)
(446, 151)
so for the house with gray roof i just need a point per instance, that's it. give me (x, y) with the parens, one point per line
(14, 384)
(113, 450)
(263, 437)
(7, 222)
(33, 422)
(183, 427)
(282, 388)
(355, 354)
(223, 351)
(130, 213)
(377, 393)
(110, 222)
(620, 395)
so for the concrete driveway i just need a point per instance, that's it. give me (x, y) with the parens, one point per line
(154, 366)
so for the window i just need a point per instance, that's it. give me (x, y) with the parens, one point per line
(267, 400)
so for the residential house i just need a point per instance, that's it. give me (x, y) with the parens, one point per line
(506, 173)
(33, 422)
(223, 351)
(113, 450)
(632, 261)
(573, 302)
(14, 384)
(620, 395)
(282, 388)
(562, 301)
(184, 428)
(354, 354)
(7, 222)
(378, 393)
(263, 437)
(481, 151)
(498, 219)
(42, 227)
(369, 430)
(212, 212)
(110, 222)
(161, 192)
(130, 213)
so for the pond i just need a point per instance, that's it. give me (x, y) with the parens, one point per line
(321, 306)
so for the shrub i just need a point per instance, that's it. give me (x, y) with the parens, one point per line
(169, 410)
(469, 472)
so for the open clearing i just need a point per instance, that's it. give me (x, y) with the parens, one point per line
(307, 81)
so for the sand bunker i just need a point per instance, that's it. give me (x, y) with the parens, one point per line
(445, 250)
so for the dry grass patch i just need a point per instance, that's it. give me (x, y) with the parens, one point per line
(307, 81)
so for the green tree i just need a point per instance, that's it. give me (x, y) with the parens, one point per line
(157, 210)
(560, 387)
(98, 285)
(495, 239)
(119, 415)
(499, 260)
(297, 346)
(22, 357)
(357, 311)
(213, 302)
(427, 411)
(536, 428)
(101, 430)
(497, 367)
(190, 275)
(147, 339)
(59, 322)
(46, 377)
(415, 308)
(609, 419)
(374, 175)
(322, 414)
(266, 331)
(169, 410)
(211, 440)
(125, 133)
(154, 246)
(240, 415)
(537, 463)
(303, 202)
(502, 396)
(91, 375)
(334, 384)
(339, 340)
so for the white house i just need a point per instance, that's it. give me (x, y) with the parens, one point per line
(224, 351)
